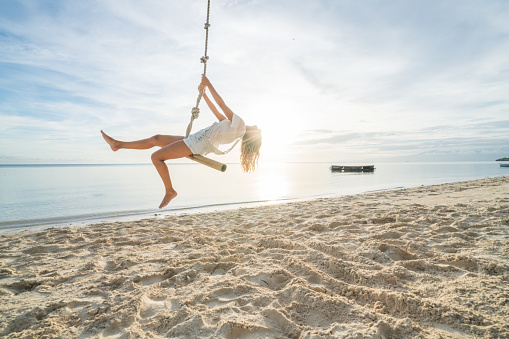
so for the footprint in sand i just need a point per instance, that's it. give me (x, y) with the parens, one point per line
(150, 307)
(396, 253)
(274, 281)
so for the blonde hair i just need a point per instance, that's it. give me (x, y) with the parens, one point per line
(250, 152)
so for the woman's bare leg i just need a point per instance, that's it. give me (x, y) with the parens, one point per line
(156, 140)
(175, 150)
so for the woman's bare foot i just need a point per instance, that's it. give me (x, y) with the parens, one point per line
(114, 144)
(167, 198)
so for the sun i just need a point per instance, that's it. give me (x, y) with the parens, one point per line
(277, 140)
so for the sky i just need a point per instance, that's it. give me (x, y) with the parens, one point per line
(326, 80)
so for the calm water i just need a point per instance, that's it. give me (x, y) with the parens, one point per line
(35, 195)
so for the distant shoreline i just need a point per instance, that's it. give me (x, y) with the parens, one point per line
(283, 163)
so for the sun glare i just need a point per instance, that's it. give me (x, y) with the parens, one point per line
(276, 143)
(272, 187)
(272, 181)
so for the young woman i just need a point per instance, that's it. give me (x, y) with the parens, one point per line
(230, 129)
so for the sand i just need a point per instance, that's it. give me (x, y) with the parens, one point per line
(427, 262)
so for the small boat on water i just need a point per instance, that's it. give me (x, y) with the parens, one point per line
(362, 168)
(504, 165)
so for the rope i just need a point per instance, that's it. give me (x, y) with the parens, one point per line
(205, 58)
(195, 111)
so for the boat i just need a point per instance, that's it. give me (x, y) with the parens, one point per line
(504, 165)
(361, 168)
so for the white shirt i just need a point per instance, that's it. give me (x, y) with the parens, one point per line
(226, 131)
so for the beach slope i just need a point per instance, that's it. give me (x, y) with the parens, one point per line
(427, 262)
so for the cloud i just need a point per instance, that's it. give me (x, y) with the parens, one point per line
(364, 75)
(467, 138)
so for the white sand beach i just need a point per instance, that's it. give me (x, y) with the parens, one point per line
(427, 262)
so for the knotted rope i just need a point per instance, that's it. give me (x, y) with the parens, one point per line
(195, 111)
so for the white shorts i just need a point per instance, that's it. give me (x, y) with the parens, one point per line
(198, 143)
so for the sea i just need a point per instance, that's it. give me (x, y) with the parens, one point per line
(41, 196)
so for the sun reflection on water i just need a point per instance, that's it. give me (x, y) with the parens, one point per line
(272, 182)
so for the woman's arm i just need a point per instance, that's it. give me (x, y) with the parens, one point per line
(213, 108)
(227, 111)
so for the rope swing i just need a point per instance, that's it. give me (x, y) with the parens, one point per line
(195, 111)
